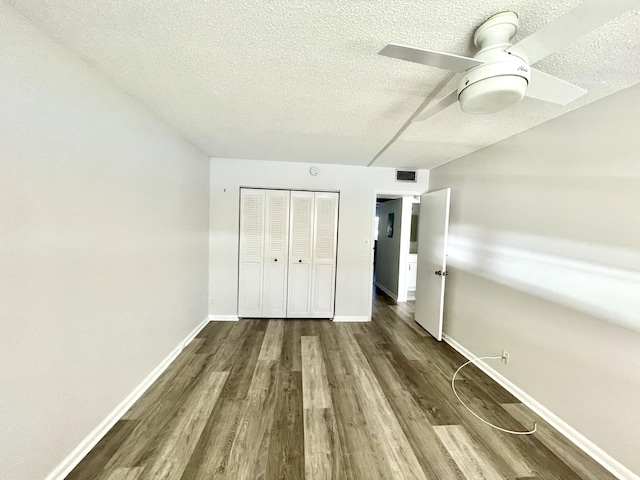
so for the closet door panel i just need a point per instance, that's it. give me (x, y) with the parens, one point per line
(323, 291)
(300, 254)
(299, 291)
(274, 291)
(276, 249)
(252, 217)
(325, 243)
(250, 290)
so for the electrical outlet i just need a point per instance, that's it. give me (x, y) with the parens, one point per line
(505, 357)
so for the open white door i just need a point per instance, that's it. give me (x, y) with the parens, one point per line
(433, 229)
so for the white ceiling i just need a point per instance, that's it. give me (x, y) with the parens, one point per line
(302, 81)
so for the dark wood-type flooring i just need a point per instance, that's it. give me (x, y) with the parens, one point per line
(285, 399)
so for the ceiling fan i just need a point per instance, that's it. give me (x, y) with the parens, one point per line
(500, 74)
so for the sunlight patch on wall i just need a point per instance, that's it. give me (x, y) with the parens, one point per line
(596, 279)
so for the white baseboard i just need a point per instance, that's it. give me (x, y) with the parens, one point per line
(74, 458)
(344, 318)
(193, 333)
(223, 318)
(582, 442)
(387, 291)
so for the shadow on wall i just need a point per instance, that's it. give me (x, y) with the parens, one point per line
(557, 270)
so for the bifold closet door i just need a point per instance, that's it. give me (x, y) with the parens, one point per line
(300, 253)
(264, 248)
(251, 252)
(276, 250)
(288, 243)
(312, 254)
(325, 240)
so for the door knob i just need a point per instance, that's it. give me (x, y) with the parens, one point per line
(275, 259)
(438, 272)
(299, 261)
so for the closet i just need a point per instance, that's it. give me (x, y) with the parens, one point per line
(288, 244)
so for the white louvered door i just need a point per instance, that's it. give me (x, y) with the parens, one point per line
(276, 249)
(251, 252)
(288, 245)
(300, 252)
(323, 265)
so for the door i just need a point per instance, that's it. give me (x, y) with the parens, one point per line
(433, 229)
(325, 240)
(300, 255)
(251, 253)
(276, 254)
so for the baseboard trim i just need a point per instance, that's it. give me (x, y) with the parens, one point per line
(223, 318)
(81, 451)
(582, 442)
(387, 291)
(194, 333)
(343, 318)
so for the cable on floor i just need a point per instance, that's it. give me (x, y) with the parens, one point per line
(453, 386)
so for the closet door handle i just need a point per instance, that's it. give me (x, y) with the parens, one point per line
(299, 261)
(275, 259)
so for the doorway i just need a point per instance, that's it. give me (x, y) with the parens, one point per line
(395, 248)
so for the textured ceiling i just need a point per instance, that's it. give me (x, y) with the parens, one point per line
(302, 80)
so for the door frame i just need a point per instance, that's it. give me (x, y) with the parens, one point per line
(376, 192)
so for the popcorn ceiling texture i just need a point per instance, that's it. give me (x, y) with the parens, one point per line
(302, 80)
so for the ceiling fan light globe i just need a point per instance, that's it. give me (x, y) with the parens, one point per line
(493, 94)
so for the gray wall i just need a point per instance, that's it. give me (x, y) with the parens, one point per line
(388, 250)
(103, 248)
(544, 262)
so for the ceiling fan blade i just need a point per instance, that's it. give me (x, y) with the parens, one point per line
(438, 107)
(552, 89)
(446, 61)
(572, 25)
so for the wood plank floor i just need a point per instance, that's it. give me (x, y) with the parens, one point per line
(285, 399)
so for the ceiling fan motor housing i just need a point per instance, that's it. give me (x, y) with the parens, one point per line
(492, 87)
(502, 80)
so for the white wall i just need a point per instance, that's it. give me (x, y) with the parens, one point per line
(357, 186)
(103, 248)
(544, 262)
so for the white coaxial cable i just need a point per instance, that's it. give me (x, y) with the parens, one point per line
(453, 386)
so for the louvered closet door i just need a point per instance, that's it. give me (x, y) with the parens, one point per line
(300, 252)
(276, 249)
(325, 234)
(252, 216)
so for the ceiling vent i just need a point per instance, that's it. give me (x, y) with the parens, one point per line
(406, 176)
